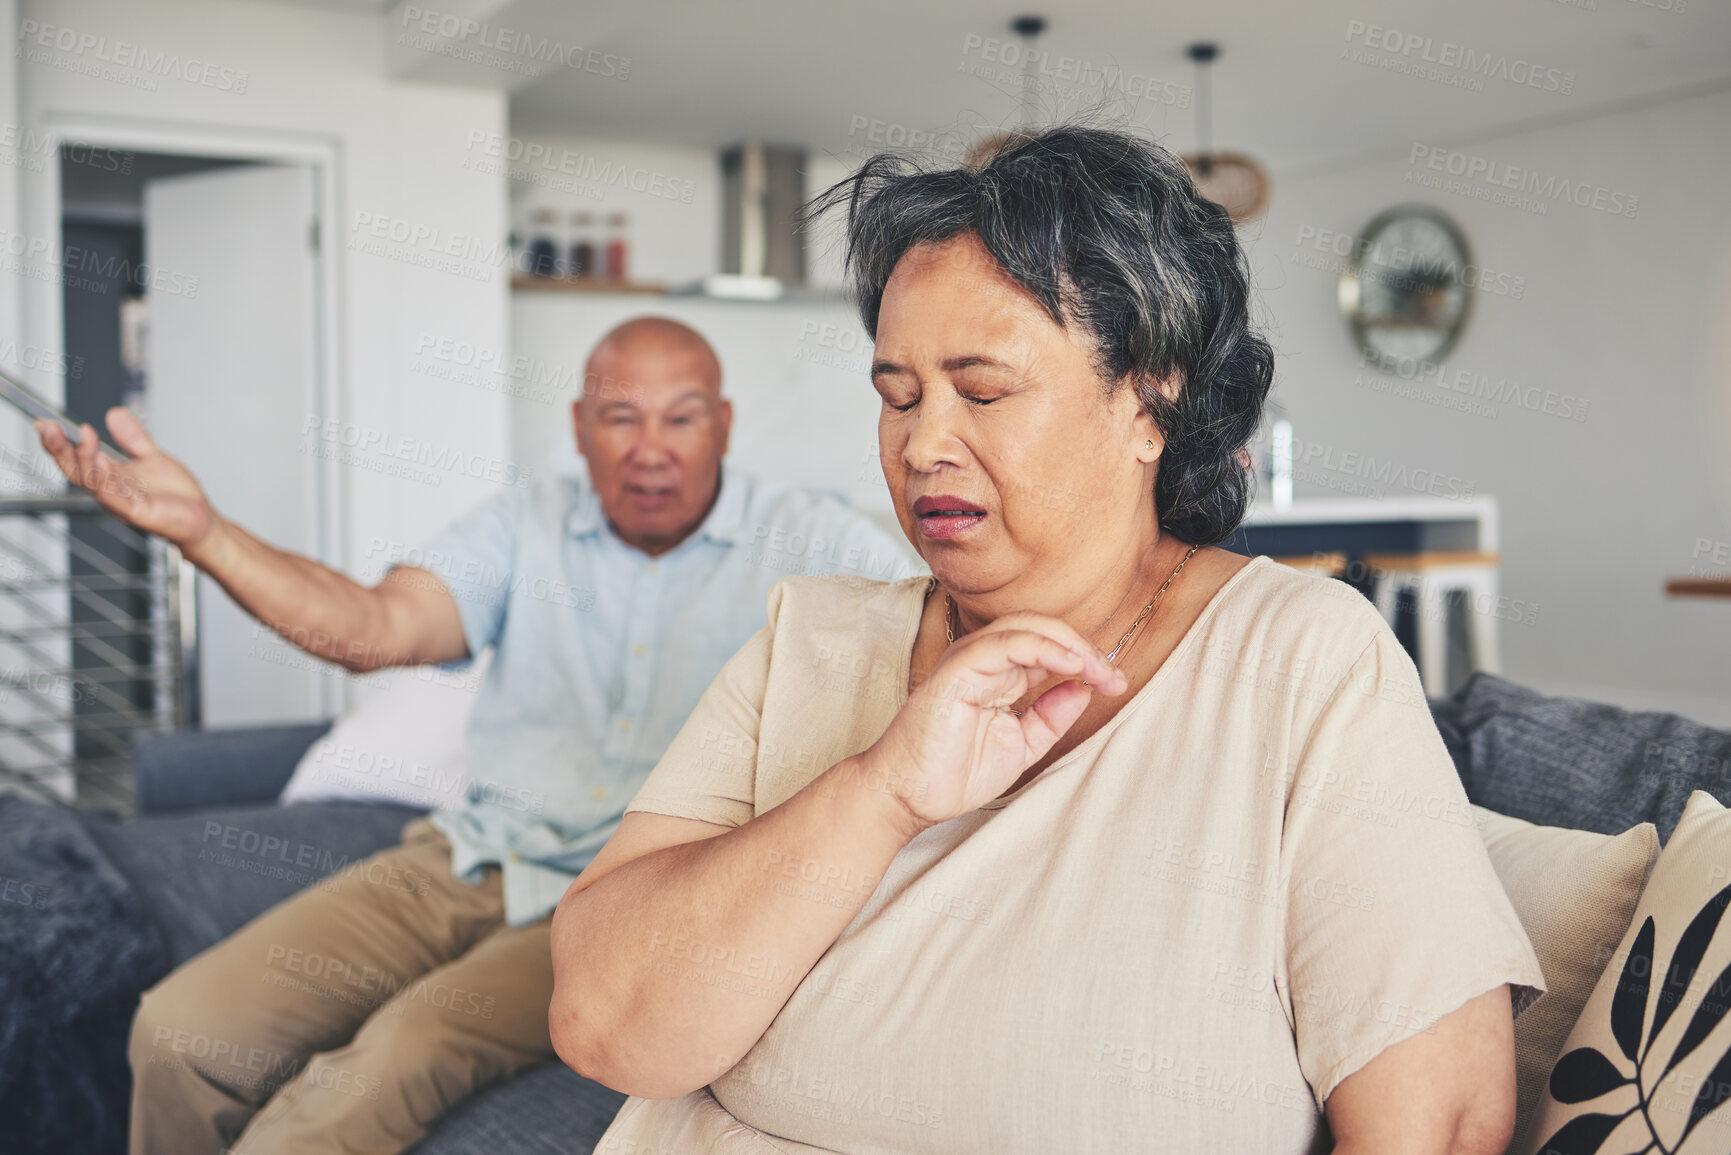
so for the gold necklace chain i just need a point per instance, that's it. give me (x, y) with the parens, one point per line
(951, 616)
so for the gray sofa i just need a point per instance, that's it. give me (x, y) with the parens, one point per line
(211, 850)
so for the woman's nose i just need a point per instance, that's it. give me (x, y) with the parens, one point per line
(932, 439)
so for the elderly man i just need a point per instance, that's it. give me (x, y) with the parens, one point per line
(610, 604)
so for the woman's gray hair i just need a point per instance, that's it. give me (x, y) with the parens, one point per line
(1105, 231)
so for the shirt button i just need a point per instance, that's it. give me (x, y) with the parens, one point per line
(641, 650)
(515, 857)
(598, 793)
(625, 725)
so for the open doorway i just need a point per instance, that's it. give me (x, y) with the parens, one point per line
(122, 660)
(188, 286)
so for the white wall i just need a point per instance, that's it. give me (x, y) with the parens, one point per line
(1625, 313)
(1631, 314)
(11, 188)
(404, 166)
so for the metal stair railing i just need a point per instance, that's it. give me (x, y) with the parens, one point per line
(98, 632)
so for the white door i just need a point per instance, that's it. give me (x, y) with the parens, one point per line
(232, 393)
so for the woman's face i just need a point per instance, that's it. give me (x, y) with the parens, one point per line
(1018, 480)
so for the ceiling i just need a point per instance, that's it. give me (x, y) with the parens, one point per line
(1296, 84)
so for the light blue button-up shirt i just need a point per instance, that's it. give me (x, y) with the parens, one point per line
(601, 651)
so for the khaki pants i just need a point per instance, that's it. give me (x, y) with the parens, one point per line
(354, 1014)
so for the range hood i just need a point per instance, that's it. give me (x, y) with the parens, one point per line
(762, 249)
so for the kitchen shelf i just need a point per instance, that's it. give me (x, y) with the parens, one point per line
(1404, 507)
(594, 286)
(585, 285)
(1697, 587)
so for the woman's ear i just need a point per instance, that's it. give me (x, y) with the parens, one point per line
(1149, 442)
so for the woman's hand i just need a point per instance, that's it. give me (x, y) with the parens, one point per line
(955, 745)
(153, 492)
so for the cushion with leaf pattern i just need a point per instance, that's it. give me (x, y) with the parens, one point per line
(1647, 1067)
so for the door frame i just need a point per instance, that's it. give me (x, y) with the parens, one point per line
(42, 299)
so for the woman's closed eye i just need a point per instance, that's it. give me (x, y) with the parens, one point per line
(971, 398)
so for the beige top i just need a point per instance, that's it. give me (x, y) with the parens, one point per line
(1181, 936)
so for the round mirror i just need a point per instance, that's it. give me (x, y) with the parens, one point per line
(1404, 291)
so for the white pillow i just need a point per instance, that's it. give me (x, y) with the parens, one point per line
(405, 744)
(1575, 892)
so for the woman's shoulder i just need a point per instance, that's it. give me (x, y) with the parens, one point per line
(837, 662)
(1286, 610)
(843, 601)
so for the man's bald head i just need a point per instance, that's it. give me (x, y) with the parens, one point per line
(650, 346)
(653, 427)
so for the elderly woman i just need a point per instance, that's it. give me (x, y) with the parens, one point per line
(1099, 839)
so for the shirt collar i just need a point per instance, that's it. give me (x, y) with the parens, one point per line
(726, 520)
(585, 516)
(725, 523)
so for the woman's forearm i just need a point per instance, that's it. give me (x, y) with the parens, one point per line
(670, 967)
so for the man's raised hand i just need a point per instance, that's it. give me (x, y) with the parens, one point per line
(152, 492)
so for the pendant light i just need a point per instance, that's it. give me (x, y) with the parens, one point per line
(1232, 180)
(1029, 29)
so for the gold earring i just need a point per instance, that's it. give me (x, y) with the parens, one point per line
(1150, 443)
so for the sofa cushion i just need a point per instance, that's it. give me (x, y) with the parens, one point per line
(405, 744)
(1575, 892)
(204, 875)
(550, 1110)
(1567, 762)
(1648, 1064)
(75, 950)
(183, 769)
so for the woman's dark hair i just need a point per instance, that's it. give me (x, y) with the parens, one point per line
(1107, 232)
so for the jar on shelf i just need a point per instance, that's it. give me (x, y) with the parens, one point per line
(543, 256)
(617, 247)
(583, 263)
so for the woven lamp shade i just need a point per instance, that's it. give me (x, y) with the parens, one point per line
(1233, 181)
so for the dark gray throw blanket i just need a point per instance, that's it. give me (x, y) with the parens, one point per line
(1568, 762)
(75, 953)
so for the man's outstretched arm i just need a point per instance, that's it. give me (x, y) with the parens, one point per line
(408, 618)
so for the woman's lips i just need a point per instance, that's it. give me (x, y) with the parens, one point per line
(947, 517)
(946, 525)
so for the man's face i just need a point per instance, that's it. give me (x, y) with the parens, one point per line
(653, 427)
